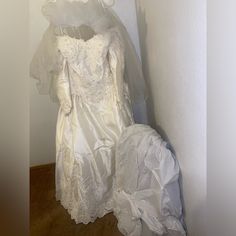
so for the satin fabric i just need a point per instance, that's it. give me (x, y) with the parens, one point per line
(95, 109)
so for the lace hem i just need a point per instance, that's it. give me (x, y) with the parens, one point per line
(84, 218)
(71, 192)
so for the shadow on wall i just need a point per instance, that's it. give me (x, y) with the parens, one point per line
(143, 31)
(142, 25)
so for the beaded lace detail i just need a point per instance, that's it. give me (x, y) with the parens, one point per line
(89, 68)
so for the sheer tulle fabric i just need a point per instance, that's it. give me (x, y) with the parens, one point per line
(66, 17)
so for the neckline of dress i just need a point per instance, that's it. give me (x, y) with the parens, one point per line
(83, 40)
(90, 39)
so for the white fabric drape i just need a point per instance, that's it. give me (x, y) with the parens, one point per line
(146, 184)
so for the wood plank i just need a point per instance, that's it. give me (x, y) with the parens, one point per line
(49, 218)
(45, 167)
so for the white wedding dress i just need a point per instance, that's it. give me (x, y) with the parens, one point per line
(95, 109)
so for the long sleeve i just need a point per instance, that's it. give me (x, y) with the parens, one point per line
(117, 64)
(63, 89)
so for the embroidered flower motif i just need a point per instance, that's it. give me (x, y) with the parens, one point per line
(91, 70)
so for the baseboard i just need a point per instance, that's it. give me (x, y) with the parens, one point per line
(43, 167)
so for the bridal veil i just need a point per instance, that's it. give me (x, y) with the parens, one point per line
(66, 17)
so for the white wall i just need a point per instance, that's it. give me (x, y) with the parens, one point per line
(221, 130)
(43, 113)
(126, 10)
(173, 50)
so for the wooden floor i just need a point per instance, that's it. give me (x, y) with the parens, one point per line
(49, 218)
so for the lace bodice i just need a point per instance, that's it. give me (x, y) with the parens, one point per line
(93, 68)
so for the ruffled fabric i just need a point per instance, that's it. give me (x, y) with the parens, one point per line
(146, 184)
